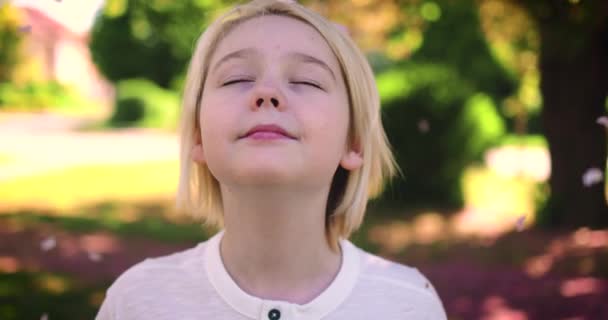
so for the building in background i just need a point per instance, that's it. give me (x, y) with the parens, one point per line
(56, 37)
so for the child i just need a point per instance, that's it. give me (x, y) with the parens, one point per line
(281, 145)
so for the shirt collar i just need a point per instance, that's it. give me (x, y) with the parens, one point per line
(257, 308)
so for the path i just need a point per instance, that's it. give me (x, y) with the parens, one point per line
(36, 143)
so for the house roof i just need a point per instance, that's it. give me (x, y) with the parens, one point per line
(41, 24)
(75, 16)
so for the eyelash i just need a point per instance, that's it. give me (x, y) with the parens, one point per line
(308, 83)
(229, 82)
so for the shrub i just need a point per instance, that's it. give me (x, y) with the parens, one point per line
(437, 124)
(40, 96)
(141, 103)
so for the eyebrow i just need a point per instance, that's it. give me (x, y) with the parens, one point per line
(238, 54)
(310, 59)
(302, 57)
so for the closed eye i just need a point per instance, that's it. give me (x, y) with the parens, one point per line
(229, 82)
(307, 83)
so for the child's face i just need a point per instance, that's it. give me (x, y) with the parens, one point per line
(274, 70)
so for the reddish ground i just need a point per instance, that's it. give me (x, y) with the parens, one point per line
(470, 289)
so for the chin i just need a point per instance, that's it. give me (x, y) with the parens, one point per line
(264, 175)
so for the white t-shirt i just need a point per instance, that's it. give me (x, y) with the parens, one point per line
(193, 284)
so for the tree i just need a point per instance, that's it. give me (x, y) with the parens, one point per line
(573, 63)
(152, 39)
(10, 41)
(571, 38)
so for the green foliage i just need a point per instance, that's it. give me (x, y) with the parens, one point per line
(141, 103)
(30, 295)
(481, 123)
(106, 217)
(567, 27)
(438, 124)
(10, 41)
(530, 140)
(152, 39)
(455, 38)
(38, 96)
(440, 108)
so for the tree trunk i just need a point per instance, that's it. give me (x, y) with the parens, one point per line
(574, 86)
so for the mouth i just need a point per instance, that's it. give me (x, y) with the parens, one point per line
(267, 132)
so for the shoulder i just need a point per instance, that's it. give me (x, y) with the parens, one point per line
(403, 283)
(154, 286)
(393, 274)
(158, 272)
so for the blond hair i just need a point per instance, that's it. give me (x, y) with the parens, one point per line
(199, 192)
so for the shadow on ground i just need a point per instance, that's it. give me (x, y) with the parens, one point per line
(59, 264)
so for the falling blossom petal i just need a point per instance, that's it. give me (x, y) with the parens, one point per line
(44, 316)
(592, 176)
(603, 120)
(25, 28)
(48, 243)
(423, 126)
(520, 223)
(95, 257)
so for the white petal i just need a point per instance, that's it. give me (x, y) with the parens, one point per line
(423, 126)
(25, 28)
(592, 176)
(95, 257)
(44, 316)
(603, 120)
(520, 223)
(48, 243)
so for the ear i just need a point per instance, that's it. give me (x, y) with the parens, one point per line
(197, 153)
(352, 158)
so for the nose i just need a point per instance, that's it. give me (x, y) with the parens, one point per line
(266, 95)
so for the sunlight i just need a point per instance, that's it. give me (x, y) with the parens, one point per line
(496, 308)
(393, 237)
(99, 243)
(53, 284)
(538, 266)
(96, 298)
(9, 264)
(429, 227)
(586, 238)
(581, 286)
(77, 186)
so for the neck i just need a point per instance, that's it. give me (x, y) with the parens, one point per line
(274, 245)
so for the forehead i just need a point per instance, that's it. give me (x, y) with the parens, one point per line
(275, 36)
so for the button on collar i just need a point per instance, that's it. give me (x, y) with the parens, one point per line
(274, 314)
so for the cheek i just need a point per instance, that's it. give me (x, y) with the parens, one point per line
(217, 124)
(329, 124)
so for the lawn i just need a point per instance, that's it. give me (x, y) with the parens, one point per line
(73, 187)
(4, 159)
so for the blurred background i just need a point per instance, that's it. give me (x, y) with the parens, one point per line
(496, 110)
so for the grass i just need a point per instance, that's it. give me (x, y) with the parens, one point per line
(5, 159)
(74, 187)
(524, 141)
(151, 222)
(27, 295)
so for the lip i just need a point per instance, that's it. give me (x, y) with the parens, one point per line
(267, 131)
